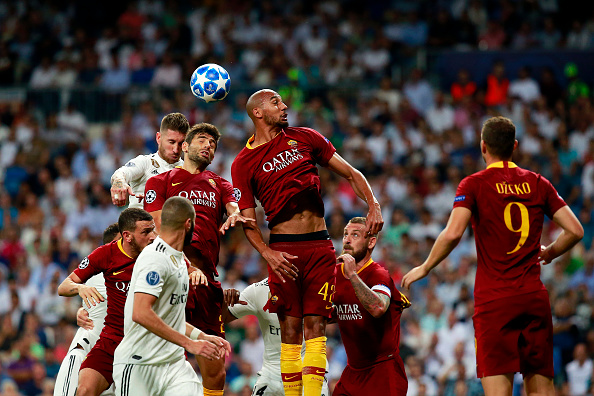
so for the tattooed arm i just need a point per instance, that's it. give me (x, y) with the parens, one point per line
(375, 303)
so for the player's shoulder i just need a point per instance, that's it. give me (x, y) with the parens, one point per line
(300, 131)
(242, 157)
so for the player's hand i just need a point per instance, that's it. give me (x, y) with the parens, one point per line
(375, 221)
(82, 319)
(221, 343)
(120, 191)
(414, 275)
(280, 265)
(545, 256)
(205, 349)
(350, 265)
(197, 277)
(90, 295)
(232, 220)
(231, 297)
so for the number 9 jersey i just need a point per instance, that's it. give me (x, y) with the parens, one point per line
(508, 206)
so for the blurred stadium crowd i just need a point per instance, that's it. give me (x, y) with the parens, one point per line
(413, 139)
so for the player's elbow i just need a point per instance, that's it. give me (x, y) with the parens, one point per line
(577, 232)
(452, 236)
(139, 316)
(377, 313)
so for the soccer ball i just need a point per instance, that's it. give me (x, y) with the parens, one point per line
(210, 82)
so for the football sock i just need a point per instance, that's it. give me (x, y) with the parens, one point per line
(314, 366)
(213, 392)
(291, 369)
(67, 379)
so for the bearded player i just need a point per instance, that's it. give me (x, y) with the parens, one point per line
(368, 309)
(115, 261)
(512, 315)
(278, 167)
(130, 179)
(212, 197)
(85, 338)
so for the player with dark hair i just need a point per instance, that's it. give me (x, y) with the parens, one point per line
(506, 205)
(150, 360)
(367, 310)
(116, 261)
(212, 197)
(278, 167)
(87, 335)
(129, 180)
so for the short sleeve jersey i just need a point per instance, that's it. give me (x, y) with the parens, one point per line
(160, 271)
(208, 192)
(508, 206)
(275, 171)
(116, 266)
(368, 340)
(139, 169)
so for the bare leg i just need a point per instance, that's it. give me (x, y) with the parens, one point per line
(539, 385)
(498, 385)
(213, 373)
(91, 383)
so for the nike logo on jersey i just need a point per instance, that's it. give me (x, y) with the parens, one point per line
(119, 272)
(175, 184)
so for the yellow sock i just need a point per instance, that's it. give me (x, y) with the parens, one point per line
(213, 392)
(291, 369)
(314, 366)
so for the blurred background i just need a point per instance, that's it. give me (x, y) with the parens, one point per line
(401, 88)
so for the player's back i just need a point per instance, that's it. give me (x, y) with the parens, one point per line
(508, 206)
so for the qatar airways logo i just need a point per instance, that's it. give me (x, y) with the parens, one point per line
(348, 312)
(282, 160)
(198, 197)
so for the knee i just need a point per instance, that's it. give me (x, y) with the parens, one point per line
(83, 390)
(314, 327)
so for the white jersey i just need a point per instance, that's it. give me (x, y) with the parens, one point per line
(160, 271)
(97, 313)
(270, 381)
(138, 170)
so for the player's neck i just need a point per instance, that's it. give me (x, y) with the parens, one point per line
(175, 239)
(362, 263)
(265, 134)
(490, 160)
(129, 250)
(193, 168)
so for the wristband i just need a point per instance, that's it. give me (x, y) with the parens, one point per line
(195, 333)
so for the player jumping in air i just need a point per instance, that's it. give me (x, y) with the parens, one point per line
(278, 167)
(212, 197)
(512, 317)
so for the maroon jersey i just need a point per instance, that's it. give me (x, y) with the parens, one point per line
(116, 266)
(276, 171)
(208, 192)
(508, 205)
(368, 340)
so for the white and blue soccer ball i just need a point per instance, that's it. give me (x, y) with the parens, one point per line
(210, 82)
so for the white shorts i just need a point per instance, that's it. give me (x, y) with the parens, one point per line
(85, 338)
(168, 379)
(273, 386)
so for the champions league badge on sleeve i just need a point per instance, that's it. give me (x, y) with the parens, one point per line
(84, 264)
(237, 193)
(152, 278)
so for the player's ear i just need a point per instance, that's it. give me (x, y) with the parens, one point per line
(515, 145)
(257, 112)
(484, 147)
(185, 147)
(158, 138)
(372, 242)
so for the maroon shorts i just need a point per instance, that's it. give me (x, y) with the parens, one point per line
(514, 334)
(100, 358)
(311, 293)
(204, 308)
(386, 378)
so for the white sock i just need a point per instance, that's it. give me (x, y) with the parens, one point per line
(67, 379)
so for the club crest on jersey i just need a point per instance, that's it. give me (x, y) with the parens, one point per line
(212, 182)
(150, 196)
(152, 278)
(155, 163)
(84, 264)
(273, 299)
(292, 143)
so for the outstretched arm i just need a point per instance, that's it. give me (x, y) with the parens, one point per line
(572, 233)
(234, 215)
(120, 187)
(73, 285)
(447, 240)
(361, 187)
